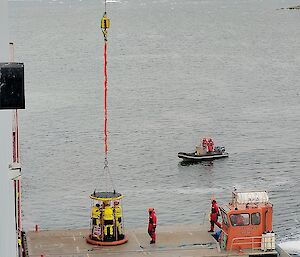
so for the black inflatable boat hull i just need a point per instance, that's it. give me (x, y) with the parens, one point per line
(191, 157)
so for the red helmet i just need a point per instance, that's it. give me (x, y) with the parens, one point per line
(150, 209)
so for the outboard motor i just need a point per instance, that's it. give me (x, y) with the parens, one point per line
(220, 149)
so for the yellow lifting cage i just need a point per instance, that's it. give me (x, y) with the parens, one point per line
(106, 224)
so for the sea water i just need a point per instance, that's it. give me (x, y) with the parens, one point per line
(177, 71)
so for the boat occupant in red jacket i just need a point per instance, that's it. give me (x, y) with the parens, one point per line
(152, 225)
(210, 145)
(204, 144)
(214, 215)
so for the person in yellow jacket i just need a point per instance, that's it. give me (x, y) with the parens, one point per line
(118, 218)
(108, 218)
(96, 214)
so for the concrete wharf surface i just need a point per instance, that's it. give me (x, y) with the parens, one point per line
(177, 240)
(172, 241)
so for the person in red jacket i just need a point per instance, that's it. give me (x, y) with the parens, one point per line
(214, 216)
(152, 225)
(210, 145)
(204, 144)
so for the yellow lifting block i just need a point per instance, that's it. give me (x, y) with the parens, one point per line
(105, 22)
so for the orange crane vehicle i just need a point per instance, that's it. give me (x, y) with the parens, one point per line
(247, 223)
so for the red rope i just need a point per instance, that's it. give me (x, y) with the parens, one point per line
(105, 100)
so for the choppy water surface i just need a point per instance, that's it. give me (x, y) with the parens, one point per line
(178, 70)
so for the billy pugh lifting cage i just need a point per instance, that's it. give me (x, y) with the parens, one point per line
(106, 225)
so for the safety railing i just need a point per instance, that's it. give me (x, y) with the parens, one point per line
(247, 241)
(224, 232)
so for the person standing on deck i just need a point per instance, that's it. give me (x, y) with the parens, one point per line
(152, 225)
(214, 215)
